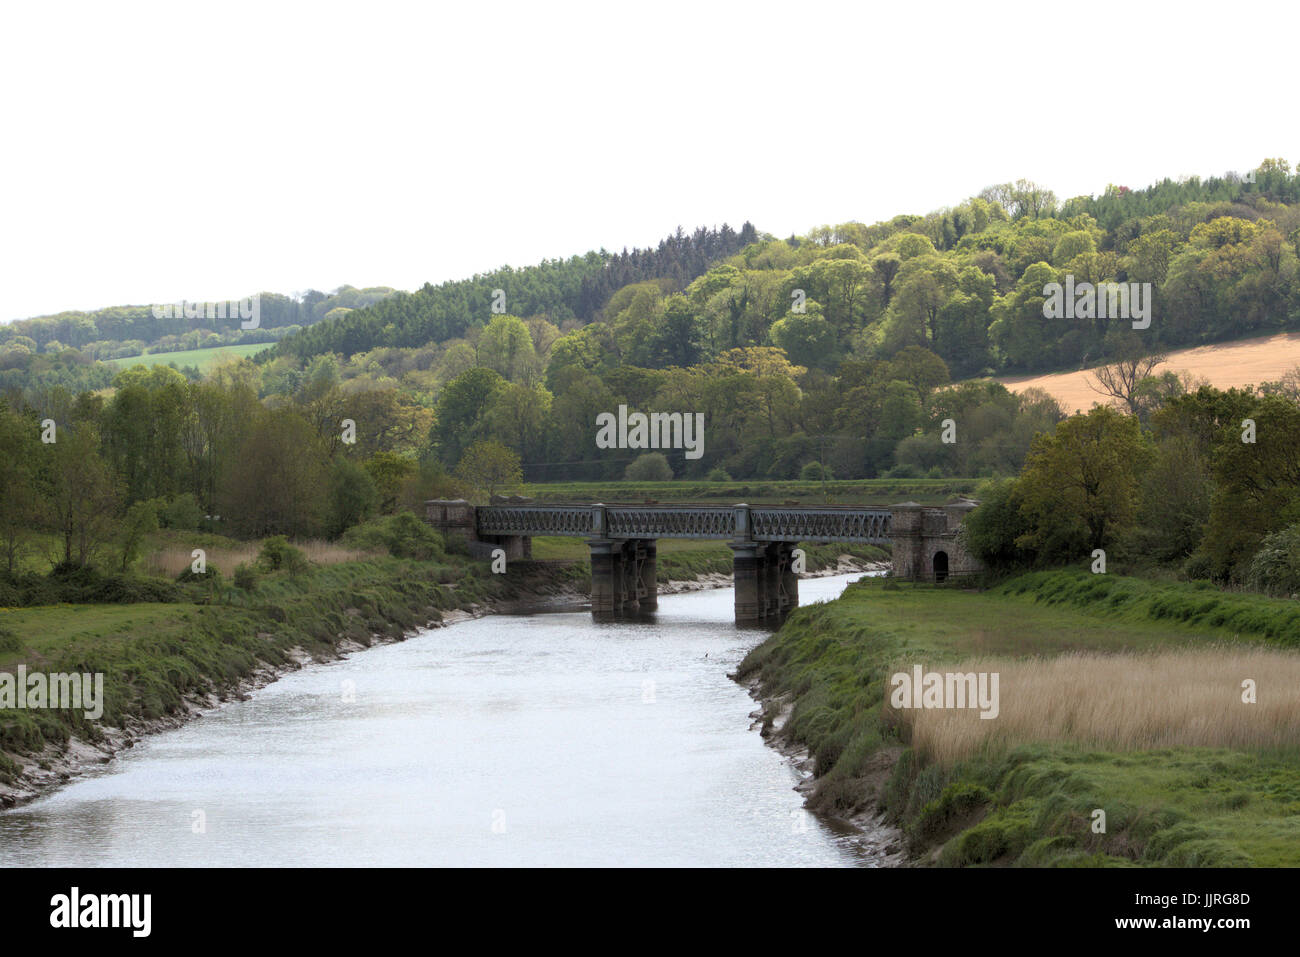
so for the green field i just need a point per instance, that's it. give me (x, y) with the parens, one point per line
(202, 359)
(759, 491)
(1031, 803)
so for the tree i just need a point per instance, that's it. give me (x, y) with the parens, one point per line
(1255, 483)
(506, 347)
(650, 467)
(19, 502)
(807, 338)
(141, 519)
(679, 341)
(991, 532)
(352, 496)
(1079, 487)
(1123, 378)
(489, 466)
(462, 402)
(276, 488)
(388, 470)
(82, 493)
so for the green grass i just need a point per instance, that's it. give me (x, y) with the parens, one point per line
(1033, 804)
(1178, 808)
(1135, 600)
(202, 359)
(759, 491)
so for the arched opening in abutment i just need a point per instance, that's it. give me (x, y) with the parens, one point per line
(940, 566)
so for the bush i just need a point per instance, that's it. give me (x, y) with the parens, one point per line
(815, 472)
(211, 574)
(903, 471)
(990, 531)
(245, 577)
(1200, 567)
(1275, 568)
(182, 512)
(401, 535)
(277, 554)
(719, 474)
(651, 467)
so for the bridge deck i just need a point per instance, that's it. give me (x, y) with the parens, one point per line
(762, 523)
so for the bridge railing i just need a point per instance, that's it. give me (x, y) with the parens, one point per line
(534, 520)
(759, 523)
(827, 523)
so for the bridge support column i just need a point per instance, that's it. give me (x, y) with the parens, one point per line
(622, 576)
(787, 580)
(606, 577)
(649, 591)
(749, 580)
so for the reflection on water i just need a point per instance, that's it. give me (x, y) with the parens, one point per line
(533, 740)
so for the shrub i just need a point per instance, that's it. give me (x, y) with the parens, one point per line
(815, 472)
(903, 471)
(719, 474)
(401, 535)
(245, 577)
(651, 467)
(210, 575)
(1275, 568)
(990, 531)
(277, 554)
(9, 641)
(182, 512)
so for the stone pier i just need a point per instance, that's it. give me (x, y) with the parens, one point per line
(622, 576)
(766, 586)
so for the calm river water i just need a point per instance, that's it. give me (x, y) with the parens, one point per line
(544, 739)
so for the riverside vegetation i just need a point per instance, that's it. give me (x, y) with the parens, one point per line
(1157, 737)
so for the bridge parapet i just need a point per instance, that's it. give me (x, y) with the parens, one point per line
(740, 522)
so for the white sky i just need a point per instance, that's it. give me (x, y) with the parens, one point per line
(154, 152)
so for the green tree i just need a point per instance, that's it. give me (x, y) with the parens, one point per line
(489, 466)
(506, 347)
(457, 415)
(140, 521)
(352, 496)
(1080, 484)
(19, 499)
(650, 467)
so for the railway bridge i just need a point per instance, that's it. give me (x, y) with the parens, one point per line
(623, 541)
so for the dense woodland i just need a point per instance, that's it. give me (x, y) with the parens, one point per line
(846, 352)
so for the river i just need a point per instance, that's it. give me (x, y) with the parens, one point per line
(542, 739)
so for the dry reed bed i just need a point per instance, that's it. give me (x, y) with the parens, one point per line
(170, 562)
(1127, 702)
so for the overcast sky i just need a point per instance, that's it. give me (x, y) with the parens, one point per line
(159, 152)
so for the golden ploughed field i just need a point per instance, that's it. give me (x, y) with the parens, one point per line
(1223, 365)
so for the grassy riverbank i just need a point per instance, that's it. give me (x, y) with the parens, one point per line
(1024, 791)
(157, 657)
